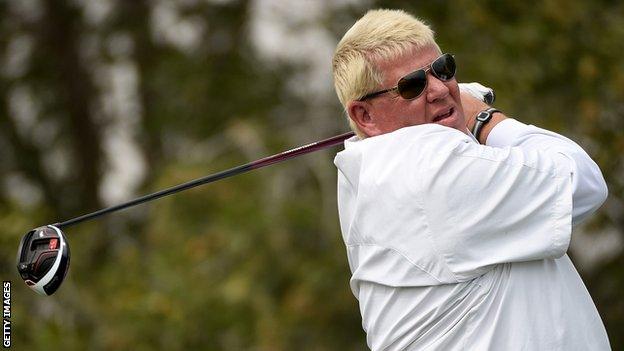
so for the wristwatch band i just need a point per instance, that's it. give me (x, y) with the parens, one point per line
(482, 119)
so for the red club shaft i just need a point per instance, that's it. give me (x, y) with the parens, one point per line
(266, 161)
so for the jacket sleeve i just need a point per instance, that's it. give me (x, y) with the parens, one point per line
(589, 189)
(487, 205)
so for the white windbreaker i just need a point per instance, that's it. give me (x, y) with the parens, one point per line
(459, 246)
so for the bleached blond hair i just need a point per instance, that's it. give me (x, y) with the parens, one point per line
(378, 36)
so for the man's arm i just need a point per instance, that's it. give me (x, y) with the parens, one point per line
(514, 199)
(472, 106)
(589, 189)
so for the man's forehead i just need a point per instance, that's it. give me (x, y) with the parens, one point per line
(417, 58)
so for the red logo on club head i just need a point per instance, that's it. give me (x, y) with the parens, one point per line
(53, 244)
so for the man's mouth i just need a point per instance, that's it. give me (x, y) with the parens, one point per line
(444, 115)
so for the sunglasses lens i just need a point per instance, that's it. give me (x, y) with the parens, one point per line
(444, 67)
(412, 85)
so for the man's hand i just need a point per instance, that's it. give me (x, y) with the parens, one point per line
(472, 96)
(479, 91)
(471, 106)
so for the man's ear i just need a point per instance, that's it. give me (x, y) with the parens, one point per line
(360, 114)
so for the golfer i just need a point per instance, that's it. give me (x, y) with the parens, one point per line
(455, 243)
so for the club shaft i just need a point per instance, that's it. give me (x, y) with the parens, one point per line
(283, 156)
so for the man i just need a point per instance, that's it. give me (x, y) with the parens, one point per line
(454, 243)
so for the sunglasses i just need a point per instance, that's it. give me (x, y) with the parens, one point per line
(412, 85)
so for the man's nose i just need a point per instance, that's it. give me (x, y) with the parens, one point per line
(436, 89)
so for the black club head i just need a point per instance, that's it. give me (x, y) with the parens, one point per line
(43, 259)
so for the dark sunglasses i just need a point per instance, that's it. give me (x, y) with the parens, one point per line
(413, 84)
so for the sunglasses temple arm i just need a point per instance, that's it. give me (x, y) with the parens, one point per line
(371, 95)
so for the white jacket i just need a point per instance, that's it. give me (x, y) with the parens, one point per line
(459, 246)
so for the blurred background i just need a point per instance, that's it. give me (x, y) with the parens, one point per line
(105, 100)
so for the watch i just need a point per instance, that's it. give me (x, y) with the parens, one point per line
(482, 119)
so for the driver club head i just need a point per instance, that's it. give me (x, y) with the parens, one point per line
(43, 259)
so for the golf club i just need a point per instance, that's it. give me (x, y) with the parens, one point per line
(43, 254)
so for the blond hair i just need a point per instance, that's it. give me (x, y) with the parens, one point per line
(379, 35)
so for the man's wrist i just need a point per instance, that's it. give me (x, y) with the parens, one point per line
(497, 117)
(482, 119)
(472, 106)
